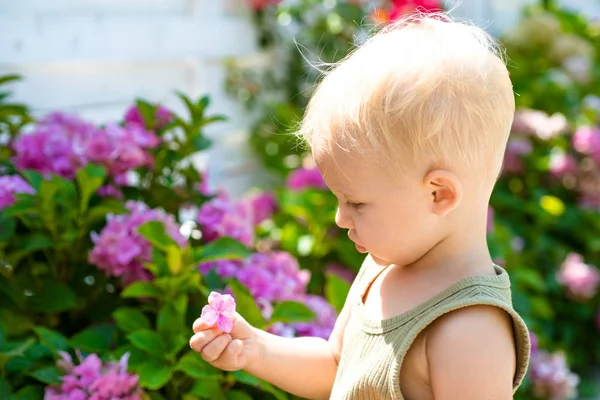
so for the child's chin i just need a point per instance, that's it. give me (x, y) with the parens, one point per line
(379, 261)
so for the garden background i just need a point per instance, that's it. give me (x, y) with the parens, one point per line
(145, 161)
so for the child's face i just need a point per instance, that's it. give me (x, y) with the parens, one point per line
(388, 218)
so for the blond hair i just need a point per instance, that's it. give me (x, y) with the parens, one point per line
(424, 91)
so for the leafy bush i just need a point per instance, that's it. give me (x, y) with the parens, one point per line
(99, 263)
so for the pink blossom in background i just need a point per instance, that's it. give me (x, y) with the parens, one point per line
(304, 178)
(110, 191)
(586, 140)
(9, 185)
(274, 276)
(551, 377)
(515, 150)
(260, 206)
(222, 216)
(163, 116)
(260, 5)
(219, 311)
(533, 339)
(62, 143)
(94, 380)
(56, 145)
(580, 279)
(324, 321)
(223, 268)
(340, 271)
(561, 164)
(120, 251)
(538, 123)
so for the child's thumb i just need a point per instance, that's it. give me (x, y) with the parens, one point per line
(241, 328)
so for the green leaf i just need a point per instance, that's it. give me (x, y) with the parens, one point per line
(154, 232)
(237, 395)
(34, 178)
(208, 388)
(17, 349)
(29, 244)
(148, 341)
(48, 192)
(195, 367)
(224, 248)
(5, 389)
(154, 374)
(25, 205)
(2, 336)
(130, 319)
(147, 111)
(89, 180)
(52, 339)
(96, 339)
(292, 311)
(47, 375)
(30, 392)
(201, 142)
(7, 228)
(10, 78)
(336, 291)
(52, 297)
(140, 289)
(245, 304)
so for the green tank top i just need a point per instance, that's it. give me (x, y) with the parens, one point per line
(374, 350)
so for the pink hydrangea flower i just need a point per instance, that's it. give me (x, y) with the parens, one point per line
(94, 380)
(122, 252)
(580, 279)
(402, 7)
(515, 150)
(561, 164)
(219, 311)
(110, 191)
(586, 140)
(9, 185)
(260, 206)
(551, 377)
(304, 178)
(223, 268)
(324, 321)
(61, 144)
(222, 216)
(163, 116)
(538, 123)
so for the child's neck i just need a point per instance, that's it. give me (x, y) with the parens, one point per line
(459, 255)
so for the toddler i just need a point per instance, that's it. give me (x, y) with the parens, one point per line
(409, 133)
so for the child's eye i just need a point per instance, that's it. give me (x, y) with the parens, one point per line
(355, 206)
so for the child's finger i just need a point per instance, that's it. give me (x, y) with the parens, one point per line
(212, 351)
(202, 338)
(200, 325)
(230, 359)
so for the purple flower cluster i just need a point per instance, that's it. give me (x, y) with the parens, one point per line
(93, 380)
(304, 178)
(9, 185)
(275, 277)
(223, 216)
(580, 279)
(120, 251)
(134, 116)
(63, 143)
(550, 375)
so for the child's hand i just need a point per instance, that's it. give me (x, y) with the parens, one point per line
(226, 351)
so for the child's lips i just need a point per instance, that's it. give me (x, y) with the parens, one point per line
(360, 248)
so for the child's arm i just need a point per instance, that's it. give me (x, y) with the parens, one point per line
(471, 355)
(305, 367)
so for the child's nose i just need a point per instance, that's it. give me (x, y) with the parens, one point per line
(342, 220)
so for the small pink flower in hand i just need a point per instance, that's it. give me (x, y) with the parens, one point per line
(220, 311)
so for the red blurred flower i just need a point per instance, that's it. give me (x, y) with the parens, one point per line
(259, 5)
(401, 7)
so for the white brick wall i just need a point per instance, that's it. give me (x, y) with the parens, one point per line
(93, 57)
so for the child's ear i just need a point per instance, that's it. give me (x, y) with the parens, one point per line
(445, 191)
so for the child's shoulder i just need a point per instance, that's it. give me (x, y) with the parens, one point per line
(474, 343)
